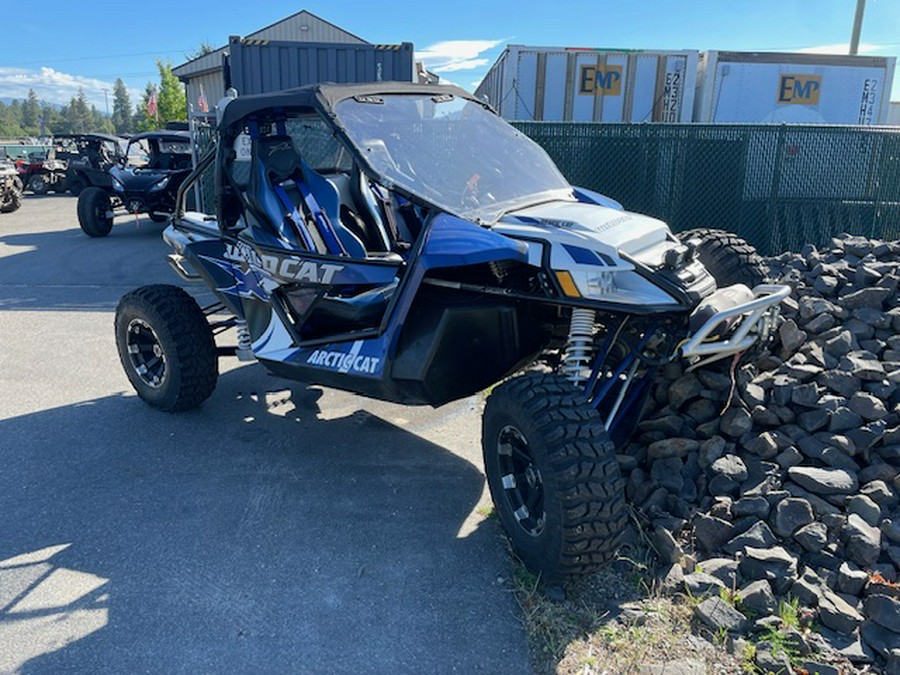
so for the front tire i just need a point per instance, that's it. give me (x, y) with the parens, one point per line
(166, 347)
(93, 207)
(728, 258)
(39, 184)
(553, 475)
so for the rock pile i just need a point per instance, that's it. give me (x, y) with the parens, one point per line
(791, 492)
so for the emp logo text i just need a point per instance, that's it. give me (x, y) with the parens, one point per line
(799, 89)
(600, 80)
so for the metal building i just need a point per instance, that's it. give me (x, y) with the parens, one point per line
(206, 74)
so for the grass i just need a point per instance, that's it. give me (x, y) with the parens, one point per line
(613, 622)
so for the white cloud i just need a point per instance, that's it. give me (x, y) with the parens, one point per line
(839, 48)
(54, 86)
(454, 55)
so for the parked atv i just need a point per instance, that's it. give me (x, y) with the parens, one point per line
(88, 159)
(10, 188)
(404, 242)
(145, 181)
(42, 172)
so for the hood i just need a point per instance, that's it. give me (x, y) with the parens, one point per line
(139, 179)
(599, 228)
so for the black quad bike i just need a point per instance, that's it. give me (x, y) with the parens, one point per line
(146, 180)
(404, 242)
(89, 157)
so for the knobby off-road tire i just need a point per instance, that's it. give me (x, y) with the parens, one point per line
(166, 347)
(730, 259)
(11, 201)
(93, 205)
(553, 476)
(39, 184)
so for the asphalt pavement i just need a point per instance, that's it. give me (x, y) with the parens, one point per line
(279, 528)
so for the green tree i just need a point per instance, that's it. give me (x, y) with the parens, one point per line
(79, 114)
(31, 112)
(140, 121)
(10, 126)
(122, 118)
(100, 123)
(171, 98)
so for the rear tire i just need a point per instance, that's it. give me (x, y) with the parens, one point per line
(728, 257)
(158, 218)
(166, 347)
(39, 184)
(93, 205)
(61, 186)
(553, 475)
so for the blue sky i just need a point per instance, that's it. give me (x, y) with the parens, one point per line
(89, 43)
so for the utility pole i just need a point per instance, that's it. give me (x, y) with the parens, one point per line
(106, 98)
(857, 26)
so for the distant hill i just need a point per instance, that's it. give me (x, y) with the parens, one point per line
(8, 99)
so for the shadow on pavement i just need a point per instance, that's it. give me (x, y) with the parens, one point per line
(67, 270)
(249, 535)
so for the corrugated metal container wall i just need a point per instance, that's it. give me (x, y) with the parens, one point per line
(213, 89)
(591, 85)
(260, 66)
(749, 87)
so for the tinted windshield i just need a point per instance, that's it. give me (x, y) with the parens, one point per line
(452, 152)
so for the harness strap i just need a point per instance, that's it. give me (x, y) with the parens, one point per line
(329, 236)
(295, 217)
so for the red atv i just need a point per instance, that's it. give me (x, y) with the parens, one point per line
(41, 172)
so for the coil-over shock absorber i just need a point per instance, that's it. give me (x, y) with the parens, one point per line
(580, 345)
(244, 343)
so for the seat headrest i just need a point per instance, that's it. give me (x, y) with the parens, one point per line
(278, 155)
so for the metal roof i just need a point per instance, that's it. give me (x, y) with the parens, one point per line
(303, 26)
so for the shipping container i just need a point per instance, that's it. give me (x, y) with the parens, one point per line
(591, 85)
(261, 66)
(765, 87)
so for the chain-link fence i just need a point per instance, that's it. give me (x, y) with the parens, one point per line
(778, 186)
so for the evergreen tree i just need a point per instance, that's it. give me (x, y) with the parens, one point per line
(122, 118)
(31, 112)
(10, 126)
(79, 114)
(100, 123)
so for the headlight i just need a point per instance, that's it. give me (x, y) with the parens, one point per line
(117, 185)
(579, 283)
(159, 185)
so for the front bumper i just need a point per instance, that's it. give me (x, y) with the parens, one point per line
(747, 322)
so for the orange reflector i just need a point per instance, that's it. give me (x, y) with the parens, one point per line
(568, 284)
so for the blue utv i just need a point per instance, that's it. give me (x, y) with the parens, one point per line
(405, 243)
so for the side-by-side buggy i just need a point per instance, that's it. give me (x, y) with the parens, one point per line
(404, 242)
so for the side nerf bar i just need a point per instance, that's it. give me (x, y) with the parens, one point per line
(762, 309)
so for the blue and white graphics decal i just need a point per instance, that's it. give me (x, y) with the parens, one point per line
(358, 360)
(285, 267)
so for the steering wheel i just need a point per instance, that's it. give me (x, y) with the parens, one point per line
(480, 188)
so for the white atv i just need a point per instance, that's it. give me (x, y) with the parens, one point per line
(405, 243)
